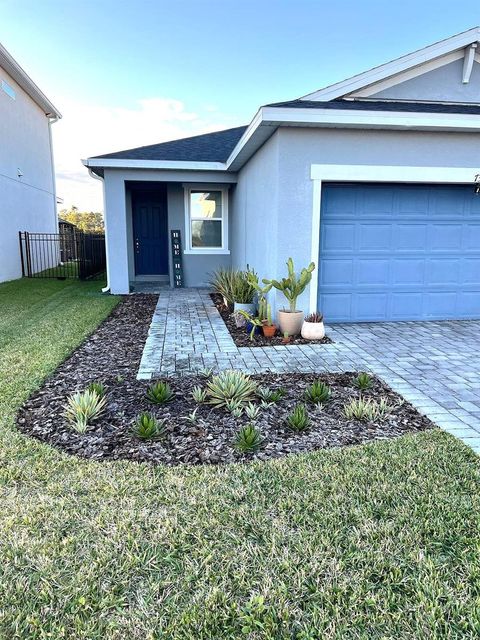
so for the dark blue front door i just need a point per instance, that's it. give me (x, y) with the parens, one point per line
(150, 233)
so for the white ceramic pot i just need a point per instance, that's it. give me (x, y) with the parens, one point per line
(240, 306)
(290, 322)
(313, 330)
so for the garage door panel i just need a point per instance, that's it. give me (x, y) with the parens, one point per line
(336, 272)
(409, 237)
(374, 237)
(371, 306)
(445, 237)
(372, 272)
(409, 271)
(406, 306)
(470, 271)
(338, 237)
(399, 252)
(471, 236)
(442, 271)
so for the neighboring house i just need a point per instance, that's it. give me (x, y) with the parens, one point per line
(27, 179)
(372, 178)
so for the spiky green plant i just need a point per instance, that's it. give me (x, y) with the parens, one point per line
(199, 394)
(252, 411)
(318, 392)
(223, 281)
(234, 406)
(192, 417)
(97, 387)
(230, 385)
(82, 408)
(363, 381)
(207, 372)
(298, 419)
(293, 286)
(160, 392)
(367, 410)
(147, 427)
(248, 439)
(243, 288)
(268, 395)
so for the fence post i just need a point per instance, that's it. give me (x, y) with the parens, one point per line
(29, 257)
(20, 240)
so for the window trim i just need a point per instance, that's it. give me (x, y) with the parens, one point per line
(189, 249)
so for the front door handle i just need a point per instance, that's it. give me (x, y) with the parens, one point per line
(137, 245)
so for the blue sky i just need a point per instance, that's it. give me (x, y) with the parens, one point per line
(131, 73)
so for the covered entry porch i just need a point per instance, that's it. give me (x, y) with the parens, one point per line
(142, 211)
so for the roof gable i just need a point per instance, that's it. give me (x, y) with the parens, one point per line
(459, 47)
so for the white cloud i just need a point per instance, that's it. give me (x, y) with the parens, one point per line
(87, 130)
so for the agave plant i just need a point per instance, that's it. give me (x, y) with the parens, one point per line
(199, 394)
(234, 406)
(366, 410)
(146, 427)
(97, 387)
(248, 438)
(270, 395)
(298, 419)
(84, 407)
(252, 411)
(160, 393)
(230, 385)
(318, 392)
(363, 381)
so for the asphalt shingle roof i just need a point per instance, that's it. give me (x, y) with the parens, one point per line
(209, 147)
(379, 105)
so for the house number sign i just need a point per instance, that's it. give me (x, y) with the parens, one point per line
(177, 259)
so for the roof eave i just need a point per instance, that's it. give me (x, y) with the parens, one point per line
(16, 72)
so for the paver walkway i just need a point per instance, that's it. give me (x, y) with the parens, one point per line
(434, 365)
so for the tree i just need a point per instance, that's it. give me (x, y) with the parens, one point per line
(88, 221)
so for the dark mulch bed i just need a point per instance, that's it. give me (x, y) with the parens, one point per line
(112, 355)
(242, 339)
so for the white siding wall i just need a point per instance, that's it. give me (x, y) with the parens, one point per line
(26, 203)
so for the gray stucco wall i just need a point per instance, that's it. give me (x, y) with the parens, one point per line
(27, 203)
(254, 231)
(292, 151)
(443, 84)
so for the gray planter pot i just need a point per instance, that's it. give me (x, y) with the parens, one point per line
(290, 322)
(240, 306)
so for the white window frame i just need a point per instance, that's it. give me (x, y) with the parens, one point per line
(320, 173)
(189, 250)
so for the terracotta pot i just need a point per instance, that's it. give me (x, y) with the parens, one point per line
(286, 340)
(290, 322)
(269, 330)
(313, 330)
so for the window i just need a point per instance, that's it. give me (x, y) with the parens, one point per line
(206, 220)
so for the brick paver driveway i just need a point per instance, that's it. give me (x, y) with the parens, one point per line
(434, 365)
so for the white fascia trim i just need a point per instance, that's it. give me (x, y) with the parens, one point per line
(407, 75)
(380, 119)
(111, 163)
(392, 173)
(15, 71)
(321, 173)
(403, 63)
(252, 127)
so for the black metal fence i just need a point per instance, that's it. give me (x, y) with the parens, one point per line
(62, 255)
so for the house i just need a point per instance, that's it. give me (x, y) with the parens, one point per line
(372, 178)
(27, 178)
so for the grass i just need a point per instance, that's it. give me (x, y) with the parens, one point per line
(379, 541)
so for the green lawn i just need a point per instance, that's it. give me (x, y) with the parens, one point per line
(374, 542)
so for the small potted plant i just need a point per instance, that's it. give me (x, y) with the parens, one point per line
(291, 320)
(253, 325)
(313, 327)
(244, 292)
(286, 338)
(268, 327)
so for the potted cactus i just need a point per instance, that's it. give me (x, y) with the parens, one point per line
(291, 320)
(268, 327)
(313, 327)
